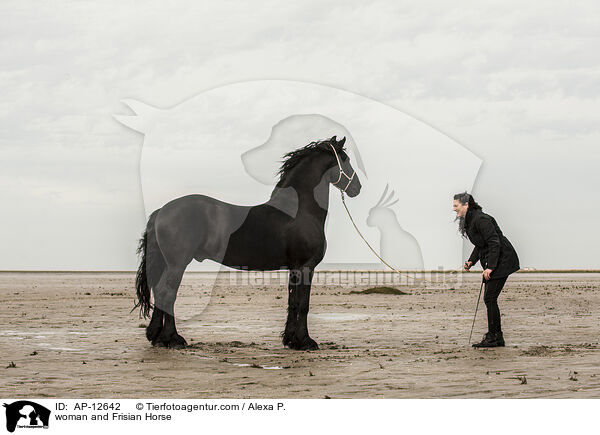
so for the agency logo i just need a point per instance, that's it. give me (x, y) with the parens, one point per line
(24, 414)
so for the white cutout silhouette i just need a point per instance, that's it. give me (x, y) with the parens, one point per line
(398, 247)
(227, 143)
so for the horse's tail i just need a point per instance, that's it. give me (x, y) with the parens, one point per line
(151, 267)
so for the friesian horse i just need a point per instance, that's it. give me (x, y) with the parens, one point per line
(286, 232)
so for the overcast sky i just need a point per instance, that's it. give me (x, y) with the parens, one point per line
(515, 83)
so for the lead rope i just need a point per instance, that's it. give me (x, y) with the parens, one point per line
(371, 248)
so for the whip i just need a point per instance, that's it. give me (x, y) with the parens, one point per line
(476, 308)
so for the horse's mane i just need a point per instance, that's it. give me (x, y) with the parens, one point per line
(291, 159)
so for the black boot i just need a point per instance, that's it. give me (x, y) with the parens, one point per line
(499, 339)
(489, 340)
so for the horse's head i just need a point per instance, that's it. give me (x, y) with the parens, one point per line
(318, 162)
(381, 212)
(342, 174)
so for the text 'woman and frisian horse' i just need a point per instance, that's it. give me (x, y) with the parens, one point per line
(286, 232)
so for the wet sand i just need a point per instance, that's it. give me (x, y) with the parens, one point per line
(72, 335)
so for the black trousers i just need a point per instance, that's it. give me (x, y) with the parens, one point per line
(493, 288)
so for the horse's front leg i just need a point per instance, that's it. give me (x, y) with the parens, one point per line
(289, 334)
(299, 301)
(306, 343)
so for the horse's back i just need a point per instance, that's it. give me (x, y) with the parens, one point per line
(260, 237)
(197, 226)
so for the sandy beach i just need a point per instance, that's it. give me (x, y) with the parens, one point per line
(72, 335)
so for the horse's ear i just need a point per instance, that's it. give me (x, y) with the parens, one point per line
(338, 144)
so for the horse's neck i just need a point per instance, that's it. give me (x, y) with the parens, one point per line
(303, 197)
(317, 200)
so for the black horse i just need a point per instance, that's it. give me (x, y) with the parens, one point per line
(286, 232)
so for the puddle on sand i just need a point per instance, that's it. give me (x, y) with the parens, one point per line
(258, 366)
(339, 317)
(38, 334)
(69, 349)
(36, 337)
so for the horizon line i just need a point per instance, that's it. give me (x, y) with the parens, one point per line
(527, 270)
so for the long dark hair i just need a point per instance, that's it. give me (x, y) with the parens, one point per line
(465, 198)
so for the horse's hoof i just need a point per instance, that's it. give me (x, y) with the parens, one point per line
(309, 344)
(177, 342)
(302, 344)
(152, 334)
(287, 340)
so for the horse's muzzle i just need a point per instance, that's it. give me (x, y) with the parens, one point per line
(354, 188)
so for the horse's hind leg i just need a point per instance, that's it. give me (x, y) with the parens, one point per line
(156, 325)
(164, 300)
(172, 339)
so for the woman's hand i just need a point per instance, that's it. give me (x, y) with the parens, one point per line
(468, 265)
(486, 274)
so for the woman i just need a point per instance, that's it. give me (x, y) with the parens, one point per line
(497, 256)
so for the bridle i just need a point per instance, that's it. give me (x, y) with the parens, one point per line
(342, 171)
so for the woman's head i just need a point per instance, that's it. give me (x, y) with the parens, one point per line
(463, 202)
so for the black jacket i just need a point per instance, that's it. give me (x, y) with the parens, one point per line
(491, 247)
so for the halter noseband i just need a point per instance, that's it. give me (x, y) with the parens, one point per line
(342, 171)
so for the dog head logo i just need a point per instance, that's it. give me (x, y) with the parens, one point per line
(26, 414)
